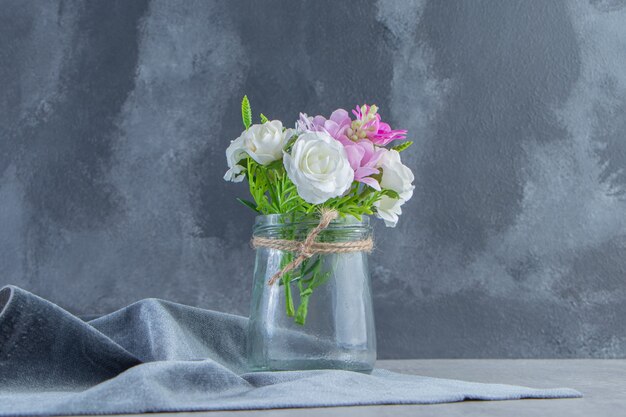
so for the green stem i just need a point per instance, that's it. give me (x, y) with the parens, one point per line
(288, 296)
(286, 278)
(316, 278)
(303, 308)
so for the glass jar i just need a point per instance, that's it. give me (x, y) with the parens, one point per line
(318, 316)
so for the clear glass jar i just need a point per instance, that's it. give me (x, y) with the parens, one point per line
(329, 327)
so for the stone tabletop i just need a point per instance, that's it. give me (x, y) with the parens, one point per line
(602, 382)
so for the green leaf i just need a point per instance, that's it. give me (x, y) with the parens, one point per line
(264, 119)
(314, 267)
(390, 193)
(402, 146)
(246, 112)
(290, 143)
(278, 164)
(248, 204)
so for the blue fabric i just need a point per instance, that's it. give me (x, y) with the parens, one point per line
(160, 356)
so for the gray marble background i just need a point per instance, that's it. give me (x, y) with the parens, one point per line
(114, 117)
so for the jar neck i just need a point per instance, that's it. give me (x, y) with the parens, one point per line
(296, 226)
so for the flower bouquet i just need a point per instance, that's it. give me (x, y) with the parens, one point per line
(313, 186)
(336, 163)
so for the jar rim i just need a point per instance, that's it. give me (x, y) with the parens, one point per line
(289, 218)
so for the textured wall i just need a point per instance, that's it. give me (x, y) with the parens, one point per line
(114, 117)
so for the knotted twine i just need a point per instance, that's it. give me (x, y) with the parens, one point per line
(309, 247)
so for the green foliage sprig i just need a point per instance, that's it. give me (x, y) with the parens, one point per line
(246, 112)
(403, 146)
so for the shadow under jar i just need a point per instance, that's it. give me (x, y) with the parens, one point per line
(319, 315)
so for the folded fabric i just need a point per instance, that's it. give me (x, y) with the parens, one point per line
(160, 356)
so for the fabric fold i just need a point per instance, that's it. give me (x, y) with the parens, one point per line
(44, 347)
(157, 355)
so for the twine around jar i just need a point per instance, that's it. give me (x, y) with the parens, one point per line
(309, 247)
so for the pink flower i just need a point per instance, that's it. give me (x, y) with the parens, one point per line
(335, 126)
(363, 157)
(368, 125)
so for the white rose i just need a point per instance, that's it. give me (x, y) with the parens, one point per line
(264, 143)
(235, 152)
(396, 176)
(399, 178)
(389, 209)
(318, 165)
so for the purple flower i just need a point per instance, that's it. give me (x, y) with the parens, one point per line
(335, 126)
